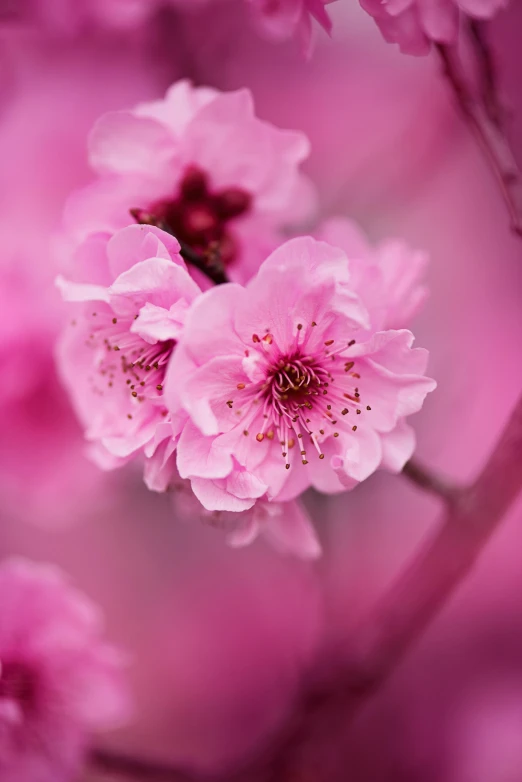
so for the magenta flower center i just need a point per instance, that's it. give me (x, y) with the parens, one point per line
(201, 218)
(305, 395)
(126, 360)
(18, 683)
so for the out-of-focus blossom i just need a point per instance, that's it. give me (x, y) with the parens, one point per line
(41, 444)
(58, 679)
(132, 302)
(282, 19)
(414, 24)
(202, 165)
(287, 386)
(285, 525)
(387, 277)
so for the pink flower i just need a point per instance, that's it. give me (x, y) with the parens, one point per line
(58, 679)
(200, 164)
(113, 356)
(387, 277)
(282, 19)
(414, 24)
(285, 525)
(41, 444)
(286, 385)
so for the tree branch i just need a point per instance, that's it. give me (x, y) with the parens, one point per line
(381, 641)
(430, 482)
(130, 767)
(490, 136)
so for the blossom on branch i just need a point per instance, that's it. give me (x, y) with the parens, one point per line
(285, 384)
(414, 24)
(129, 312)
(201, 165)
(58, 679)
(283, 19)
(387, 277)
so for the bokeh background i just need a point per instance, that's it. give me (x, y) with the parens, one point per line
(221, 640)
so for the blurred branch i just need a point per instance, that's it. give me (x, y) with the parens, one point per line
(382, 640)
(487, 71)
(129, 767)
(488, 132)
(387, 635)
(430, 482)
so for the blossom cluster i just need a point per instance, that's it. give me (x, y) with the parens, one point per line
(296, 372)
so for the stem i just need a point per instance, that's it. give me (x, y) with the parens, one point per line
(136, 768)
(490, 136)
(487, 71)
(427, 481)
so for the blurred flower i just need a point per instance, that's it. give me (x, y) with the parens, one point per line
(387, 277)
(263, 369)
(41, 445)
(414, 24)
(58, 679)
(200, 164)
(114, 354)
(282, 19)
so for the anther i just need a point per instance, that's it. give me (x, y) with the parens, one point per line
(329, 342)
(343, 412)
(354, 428)
(351, 342)
(368, 407)
(159, 387)
(321, 455)
(240, 386)
(260, 437)
(358, 412)
(245, 432)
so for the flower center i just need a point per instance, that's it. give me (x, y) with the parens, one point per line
(126, 359)
(306, 394)
(17, 683)
(199, 217)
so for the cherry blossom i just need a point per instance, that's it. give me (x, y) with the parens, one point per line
(201, 165)
(58, 679)
(414, 24)
(286, 385)
(283, 19)
(387, 277)
(127, 318)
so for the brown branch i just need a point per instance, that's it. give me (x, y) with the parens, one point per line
(488, 81)
(430, 482)
(129, 767)
(490, 136)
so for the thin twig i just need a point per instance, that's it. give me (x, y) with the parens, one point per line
(430, 482)
(489, 135)
(140, 769)
(487, 71)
